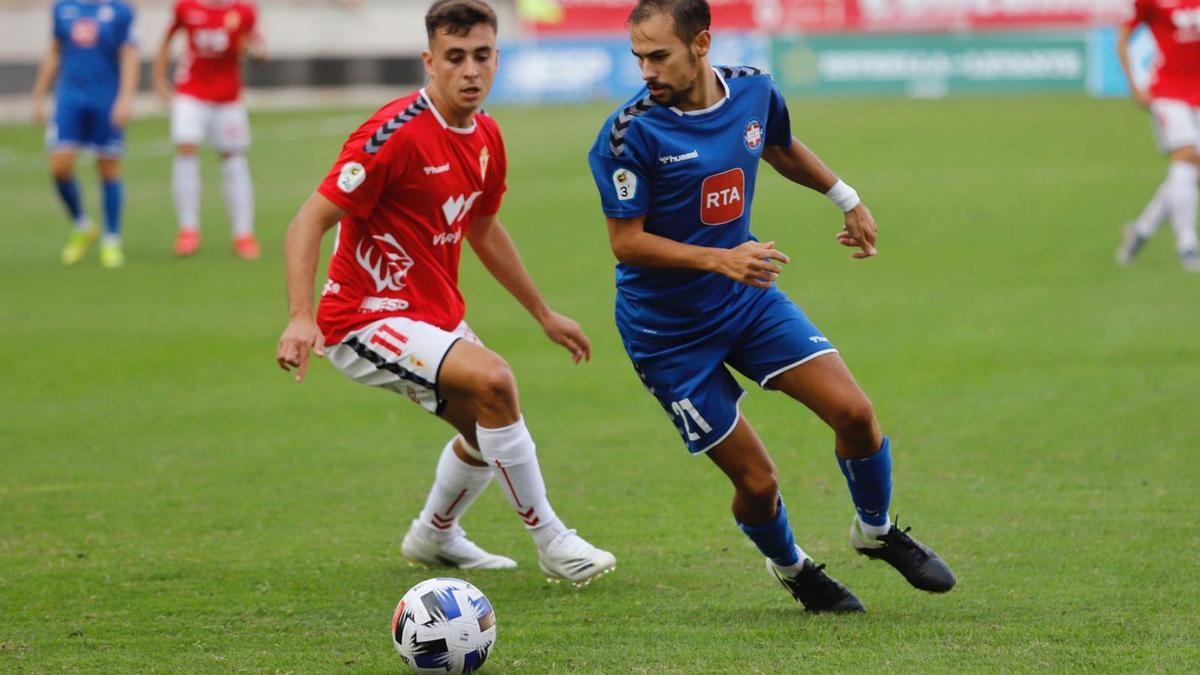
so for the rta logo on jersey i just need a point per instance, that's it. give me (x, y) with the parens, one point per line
(753, 135)
(353, 174)
(721, 197)
(456, 208)
(387, 264)
(85, 32)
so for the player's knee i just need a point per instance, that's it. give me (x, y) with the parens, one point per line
(854, 419)
(186, 149)
(761, 486)
(496, 385)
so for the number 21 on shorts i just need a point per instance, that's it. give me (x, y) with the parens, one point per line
(685, 410)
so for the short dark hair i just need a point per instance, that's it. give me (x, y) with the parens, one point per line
(458, 17)
(691, 16)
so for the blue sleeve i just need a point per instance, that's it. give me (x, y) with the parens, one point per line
(622, 178)
(125, 33)
(60, 26)
(779, 123)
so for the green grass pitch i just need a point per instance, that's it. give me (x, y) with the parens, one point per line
(171, 502)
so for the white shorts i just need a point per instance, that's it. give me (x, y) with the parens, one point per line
(226, 126)
(399, 354)
(1176, 124)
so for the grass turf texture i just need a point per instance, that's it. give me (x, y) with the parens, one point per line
(173, 502)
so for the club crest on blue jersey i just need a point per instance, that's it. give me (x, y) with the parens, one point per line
(753, 137)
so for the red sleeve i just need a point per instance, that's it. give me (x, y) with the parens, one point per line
(176, 19)
(250, 21)
(358, 178)
(1141, 14)
(497, 180)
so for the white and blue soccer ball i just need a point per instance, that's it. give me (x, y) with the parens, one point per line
(444, 625)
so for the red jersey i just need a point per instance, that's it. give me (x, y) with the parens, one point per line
(1176, 28)
(210, 68)
(410, 186)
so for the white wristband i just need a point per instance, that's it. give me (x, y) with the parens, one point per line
(843, 196)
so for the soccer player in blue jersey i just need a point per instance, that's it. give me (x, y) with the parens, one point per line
(93, 63)
(676, 167)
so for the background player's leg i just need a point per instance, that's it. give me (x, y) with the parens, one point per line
(62, 168)
(826, 386)
(482, 380)
(1183, 176)
(185, 185)
(761, 515)
(239, 200)
(110, 179)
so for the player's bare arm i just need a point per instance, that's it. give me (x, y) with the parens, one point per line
(801, 165)
(47, 71)
(162, 86)
(123, 105)
(1140, 95)
(302, 247)
(496, 250)
(752, 263)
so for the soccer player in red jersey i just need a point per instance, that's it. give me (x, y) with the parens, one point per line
(207, 106)
(423, 173)
(1173, 100)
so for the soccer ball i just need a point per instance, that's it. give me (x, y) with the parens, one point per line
(444, 625)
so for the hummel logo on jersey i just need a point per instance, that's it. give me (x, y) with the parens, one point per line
(721, 197)
(431, 170)
(673, 159)
(818, 338)
(456, 208)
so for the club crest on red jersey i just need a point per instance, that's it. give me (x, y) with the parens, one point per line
(753, 135)
(385, 260)
(484, 158)
(722, 197)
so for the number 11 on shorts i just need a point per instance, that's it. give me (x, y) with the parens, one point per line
(684, 409)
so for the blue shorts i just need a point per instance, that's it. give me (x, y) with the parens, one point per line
(85, 126)
(685, 368)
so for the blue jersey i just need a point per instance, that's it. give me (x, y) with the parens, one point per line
(692, 175)
(90, 35)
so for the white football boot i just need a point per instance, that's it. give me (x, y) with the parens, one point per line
(570, 557)
(456, 551)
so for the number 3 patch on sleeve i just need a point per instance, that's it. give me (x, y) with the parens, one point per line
(625, 183)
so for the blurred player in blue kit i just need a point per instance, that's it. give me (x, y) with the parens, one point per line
(93, 63)
(676, 168)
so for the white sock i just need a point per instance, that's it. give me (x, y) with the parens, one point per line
(185, 183)
(1184, 178)
(875, 531)
(111, 239)
(793, 570)
(239, 194)
(1154, 213)
(513, 454)
(456, 484)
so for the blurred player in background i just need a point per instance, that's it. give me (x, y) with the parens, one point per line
(207, 106)
(1173, 100)
(676, 168)
(423, 173)
(95, 61)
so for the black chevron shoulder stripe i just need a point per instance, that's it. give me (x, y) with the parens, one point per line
(620, 126)
(385, 130)
(739, 71)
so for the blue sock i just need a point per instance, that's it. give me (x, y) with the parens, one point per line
(113, 196)
(774, 538)
(870, 482)
(68, 190)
